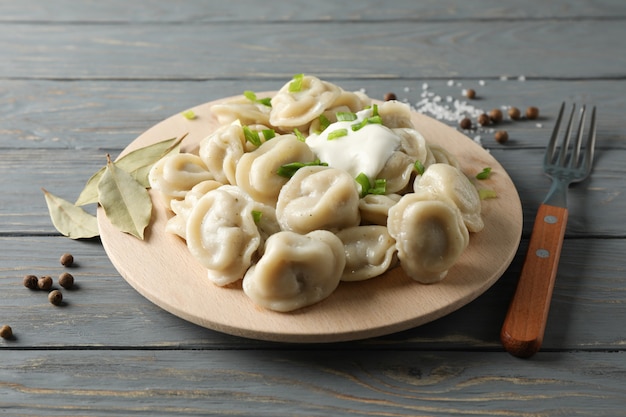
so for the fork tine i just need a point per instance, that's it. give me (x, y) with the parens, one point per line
(574, 159)
(591, 143)
(564, 147)
(549, 155)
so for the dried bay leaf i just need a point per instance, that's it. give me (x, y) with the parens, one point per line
(125, 201)
(70, 220)
(137, 163)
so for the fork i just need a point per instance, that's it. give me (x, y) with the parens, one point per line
(525, 323)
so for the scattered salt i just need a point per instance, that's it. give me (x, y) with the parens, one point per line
(481, 82)
(521, 78)
(503, 78)
(450, 83)
(425, 86)
(539, 125)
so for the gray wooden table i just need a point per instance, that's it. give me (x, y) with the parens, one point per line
(79, 79)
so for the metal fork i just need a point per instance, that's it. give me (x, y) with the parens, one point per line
(524, 326)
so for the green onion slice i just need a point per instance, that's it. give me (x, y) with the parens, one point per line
(296, 84)
(364, 182)
(336, 134)
(345, 116)
(189, 115)
(419, 167)
(268, 134)
(288, 170)
(380, 187)
(256, 216)
(484, 174)
(485, 194)
(324, 123)
(250, 95)
(251, 136)
(299, 135)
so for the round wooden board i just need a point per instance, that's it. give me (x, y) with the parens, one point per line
(162, 269)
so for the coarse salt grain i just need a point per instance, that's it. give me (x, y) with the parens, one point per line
(503, 78)
(425, 86)
(481, 82)
(450, 83)
(521, 78)
(539, 125)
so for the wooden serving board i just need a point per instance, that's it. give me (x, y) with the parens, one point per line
(162, 269)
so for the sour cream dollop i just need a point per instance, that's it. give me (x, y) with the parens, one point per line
(365, 150)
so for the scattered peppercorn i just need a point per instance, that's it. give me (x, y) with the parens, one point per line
(30, 281)
(495, 115)
(501, 136)
(67, 259)
(469, 93)
(532, 112)
(55, 297)
(66, 280)
(483, 119)
(6, 332)
(514, 113)
(465, 123)
(390, 96)
(45, 283)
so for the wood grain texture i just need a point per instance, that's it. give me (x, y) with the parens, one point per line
(314, 383)
(277, 51)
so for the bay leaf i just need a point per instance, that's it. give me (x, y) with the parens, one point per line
(137, 163)
(70, 220)
(125, 201)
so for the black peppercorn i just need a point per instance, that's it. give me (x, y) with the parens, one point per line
(532, 113)
(66, 280)
(6, 332)
(67, 259)
(30, 281)
(469, 93)
(514, 113)
(501, 136)
(483, 119)
(465, 123)
(55, 297)
(495, 115)
(390, 96)
(44, 283)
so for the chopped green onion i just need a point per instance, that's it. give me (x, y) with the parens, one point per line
(296, 84)
(250, 95)
(370, 120)
(336, 134)
(375, 109)
(364, 182)
(345, 116)
(256, 216)
(288, 170)
(251, 136)
(380, 187)
(268, 134)
(299, 135)
(324, 123)
(419, 167)
(484, 194)
(484, 174)
(189, 115)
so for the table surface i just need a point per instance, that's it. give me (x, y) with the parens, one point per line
(79, 79)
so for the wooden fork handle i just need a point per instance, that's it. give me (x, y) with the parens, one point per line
(525, 322)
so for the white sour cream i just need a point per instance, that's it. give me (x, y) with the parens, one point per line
(364, 151)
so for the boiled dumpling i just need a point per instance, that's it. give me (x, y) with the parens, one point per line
(242, 109)
(222, 234)
(222, 150)
(174, 175)
(430, 235)
(257, 173)
(181, 208)
(296, 270)
(318, 197)
(369, 251)
(297, 109)
(395, 114)
(443, 179)
(374, 208)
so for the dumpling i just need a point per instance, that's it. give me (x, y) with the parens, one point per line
(413, 144)
(442, 156)
(374, 208)
(297, 109)
(176, 174)
(353, 101)
(397, 172)
(246, 111)
(443, 179)
(430, 235)
(395, 114)
(221, 151)
(222, 234)
(296, 270)
(256, 171)
(178, 223)
(318, 197)
(369, 252)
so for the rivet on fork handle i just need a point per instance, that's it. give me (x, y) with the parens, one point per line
(525, 322)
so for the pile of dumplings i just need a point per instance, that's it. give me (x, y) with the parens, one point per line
(294, 239)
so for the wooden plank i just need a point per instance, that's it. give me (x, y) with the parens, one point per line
(104, 311)
(64, 173)
(195, 11)
(288, 383)
(270, 51)
(88, 114)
